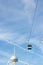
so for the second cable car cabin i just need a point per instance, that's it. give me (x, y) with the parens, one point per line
(29, 47)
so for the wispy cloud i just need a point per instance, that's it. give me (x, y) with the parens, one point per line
(13, 37)
(4, 57)
(2, 61)
(5, 54)
(15, 20)
(29, 7)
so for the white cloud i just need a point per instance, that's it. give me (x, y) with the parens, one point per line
(2, 60)
(21, 39)
(28, 4)
(5, 54)
(13, 37)
(29, 7)
(8, 36)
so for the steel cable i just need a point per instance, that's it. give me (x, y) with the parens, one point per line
(33, 20)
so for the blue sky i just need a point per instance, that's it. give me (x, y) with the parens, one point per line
(15, 25)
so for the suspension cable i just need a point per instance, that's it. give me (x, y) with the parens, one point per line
(33, 19)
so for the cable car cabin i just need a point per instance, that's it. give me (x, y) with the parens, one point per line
(29, 46)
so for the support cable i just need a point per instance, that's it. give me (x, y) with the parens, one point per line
(33, 19)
